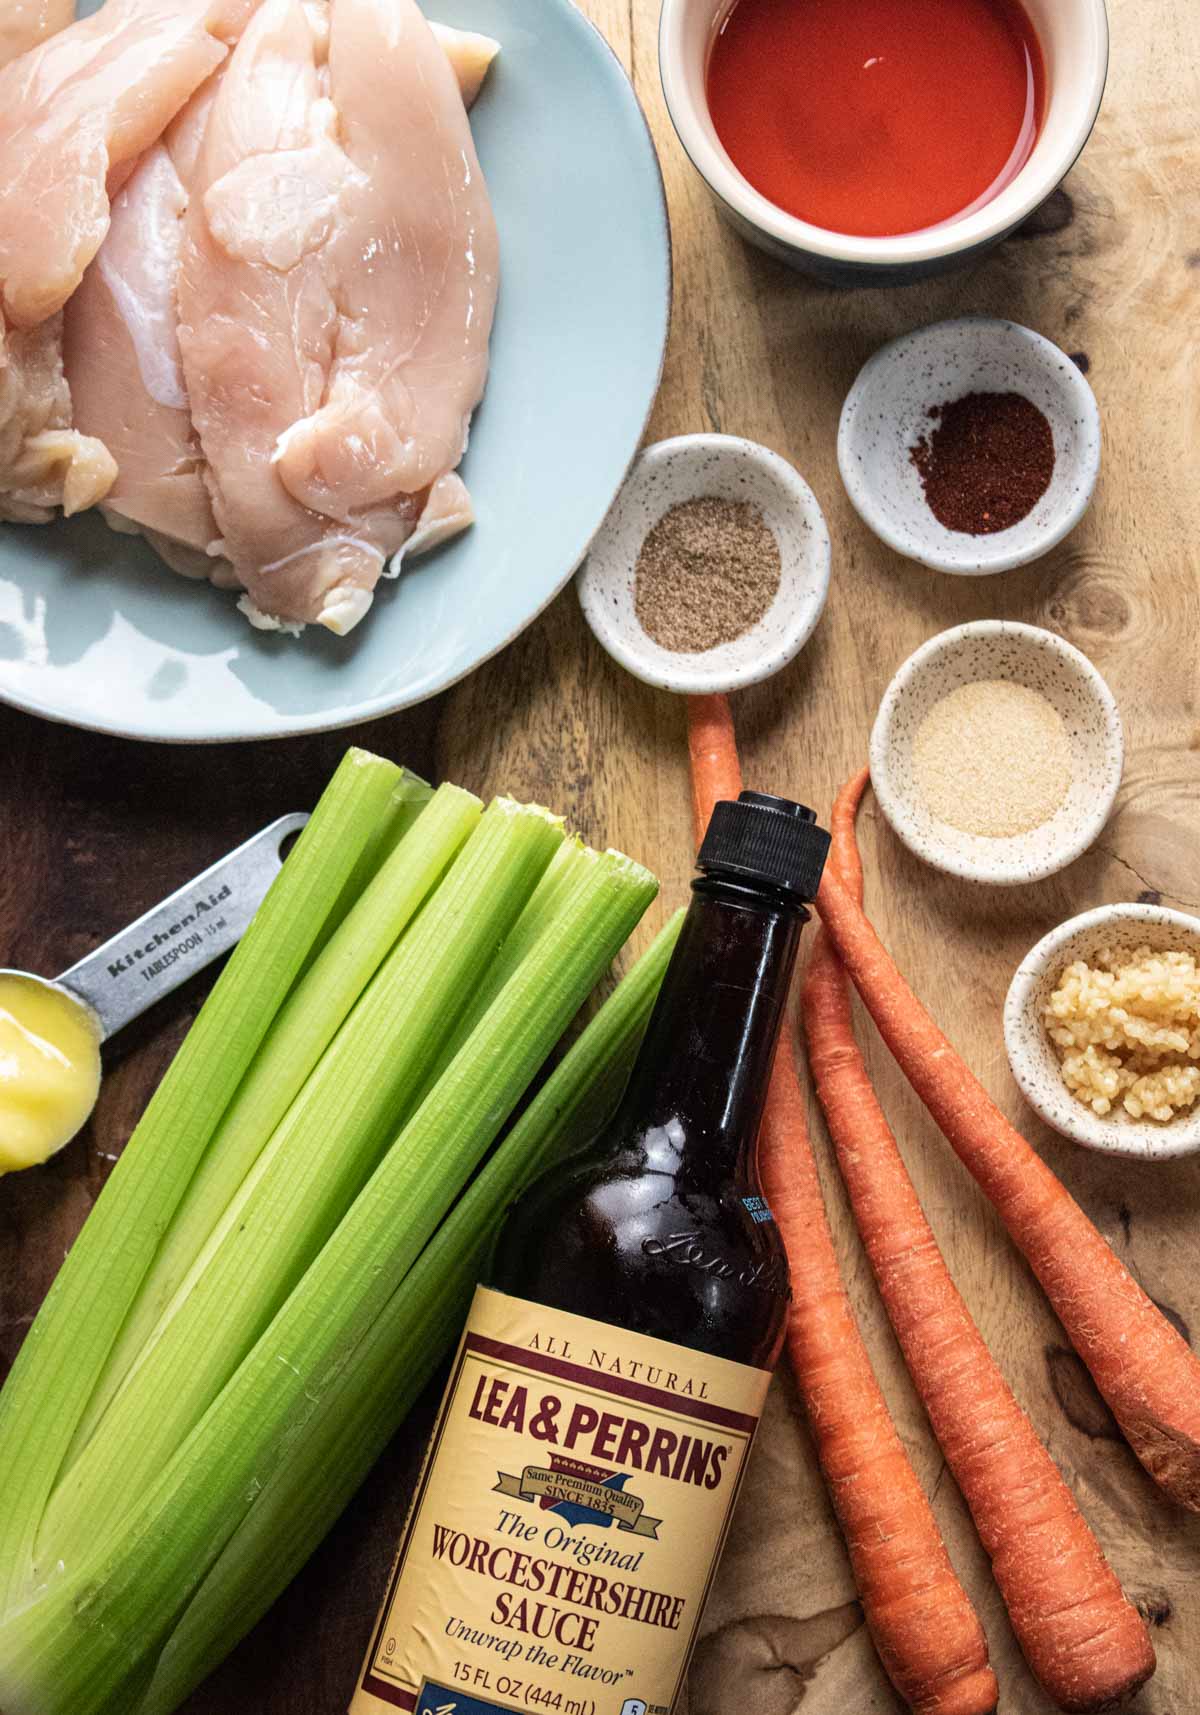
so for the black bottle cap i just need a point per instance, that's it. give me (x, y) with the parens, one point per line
(762, 838)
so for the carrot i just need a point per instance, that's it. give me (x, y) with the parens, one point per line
(712, 747)
(1083, 1639)
(927, 1633)
(1145, 1370)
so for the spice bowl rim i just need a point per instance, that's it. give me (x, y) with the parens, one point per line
(960, 554)
(994, 862)
(605, 580)
(1031, 1055)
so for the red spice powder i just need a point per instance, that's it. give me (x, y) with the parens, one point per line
(987, 463)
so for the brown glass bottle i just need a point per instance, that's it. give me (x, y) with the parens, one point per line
(601, 1409)
(660, 1226)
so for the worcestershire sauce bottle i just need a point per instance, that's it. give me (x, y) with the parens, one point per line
(595, 1430)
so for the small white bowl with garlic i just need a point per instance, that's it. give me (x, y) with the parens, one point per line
(1077, 1002)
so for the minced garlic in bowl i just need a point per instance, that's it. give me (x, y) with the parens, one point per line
(1102, 1029)
(1126, 1030)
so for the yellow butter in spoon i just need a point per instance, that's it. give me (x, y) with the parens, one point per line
(50, 1032)
(49, 1069)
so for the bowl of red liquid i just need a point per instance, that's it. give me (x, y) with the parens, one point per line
(879, 141)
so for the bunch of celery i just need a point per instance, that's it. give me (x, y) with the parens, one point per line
(286, 1248)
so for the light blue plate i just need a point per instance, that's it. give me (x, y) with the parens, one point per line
(95, 631)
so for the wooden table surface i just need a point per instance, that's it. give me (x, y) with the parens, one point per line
(94, 830)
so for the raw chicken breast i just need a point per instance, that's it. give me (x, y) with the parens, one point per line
(406, 263)
(44, 462)
(75, 113)
(121, 350)
(25, 23)
(122, 358)
(336, 294)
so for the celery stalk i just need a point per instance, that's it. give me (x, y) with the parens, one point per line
(551, 892)
(547, 899)
(64, 1352)
(316, 1162)
(393, 1363)
(84, 1642)
(305, 1026)
(409, 798)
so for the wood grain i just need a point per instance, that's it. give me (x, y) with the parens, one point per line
(94, 830)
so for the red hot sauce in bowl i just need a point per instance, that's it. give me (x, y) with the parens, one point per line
(877, 117)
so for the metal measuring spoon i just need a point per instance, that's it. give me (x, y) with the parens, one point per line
(203, 919)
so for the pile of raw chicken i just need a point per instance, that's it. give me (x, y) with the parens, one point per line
(248, 267)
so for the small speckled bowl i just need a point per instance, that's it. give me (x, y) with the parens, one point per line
(1032, 1057)
(887, 413)
(691, 467)
(1026, 655)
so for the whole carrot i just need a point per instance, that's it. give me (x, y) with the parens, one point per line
(1145, 1370)
(1083, 1639)
(926, 1631)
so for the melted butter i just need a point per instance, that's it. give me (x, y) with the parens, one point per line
(49, 1070)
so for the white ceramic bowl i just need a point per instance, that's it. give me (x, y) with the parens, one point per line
(690, 467)
(1026, 655)
(1032, 1057)
(1074, 39)
(887, 412)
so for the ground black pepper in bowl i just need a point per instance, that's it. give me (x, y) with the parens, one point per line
(986, 463)
(707, 572)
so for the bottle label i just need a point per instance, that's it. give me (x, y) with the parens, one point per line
(568, 1522)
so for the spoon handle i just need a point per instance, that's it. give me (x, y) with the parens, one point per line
(174, 940)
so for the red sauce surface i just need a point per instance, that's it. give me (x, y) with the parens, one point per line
(876, 117)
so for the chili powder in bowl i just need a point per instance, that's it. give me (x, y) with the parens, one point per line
(711, 570)
(971, 445)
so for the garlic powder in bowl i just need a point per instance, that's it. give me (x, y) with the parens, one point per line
(997, 752)
(993, 758)
(1102, 1028)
